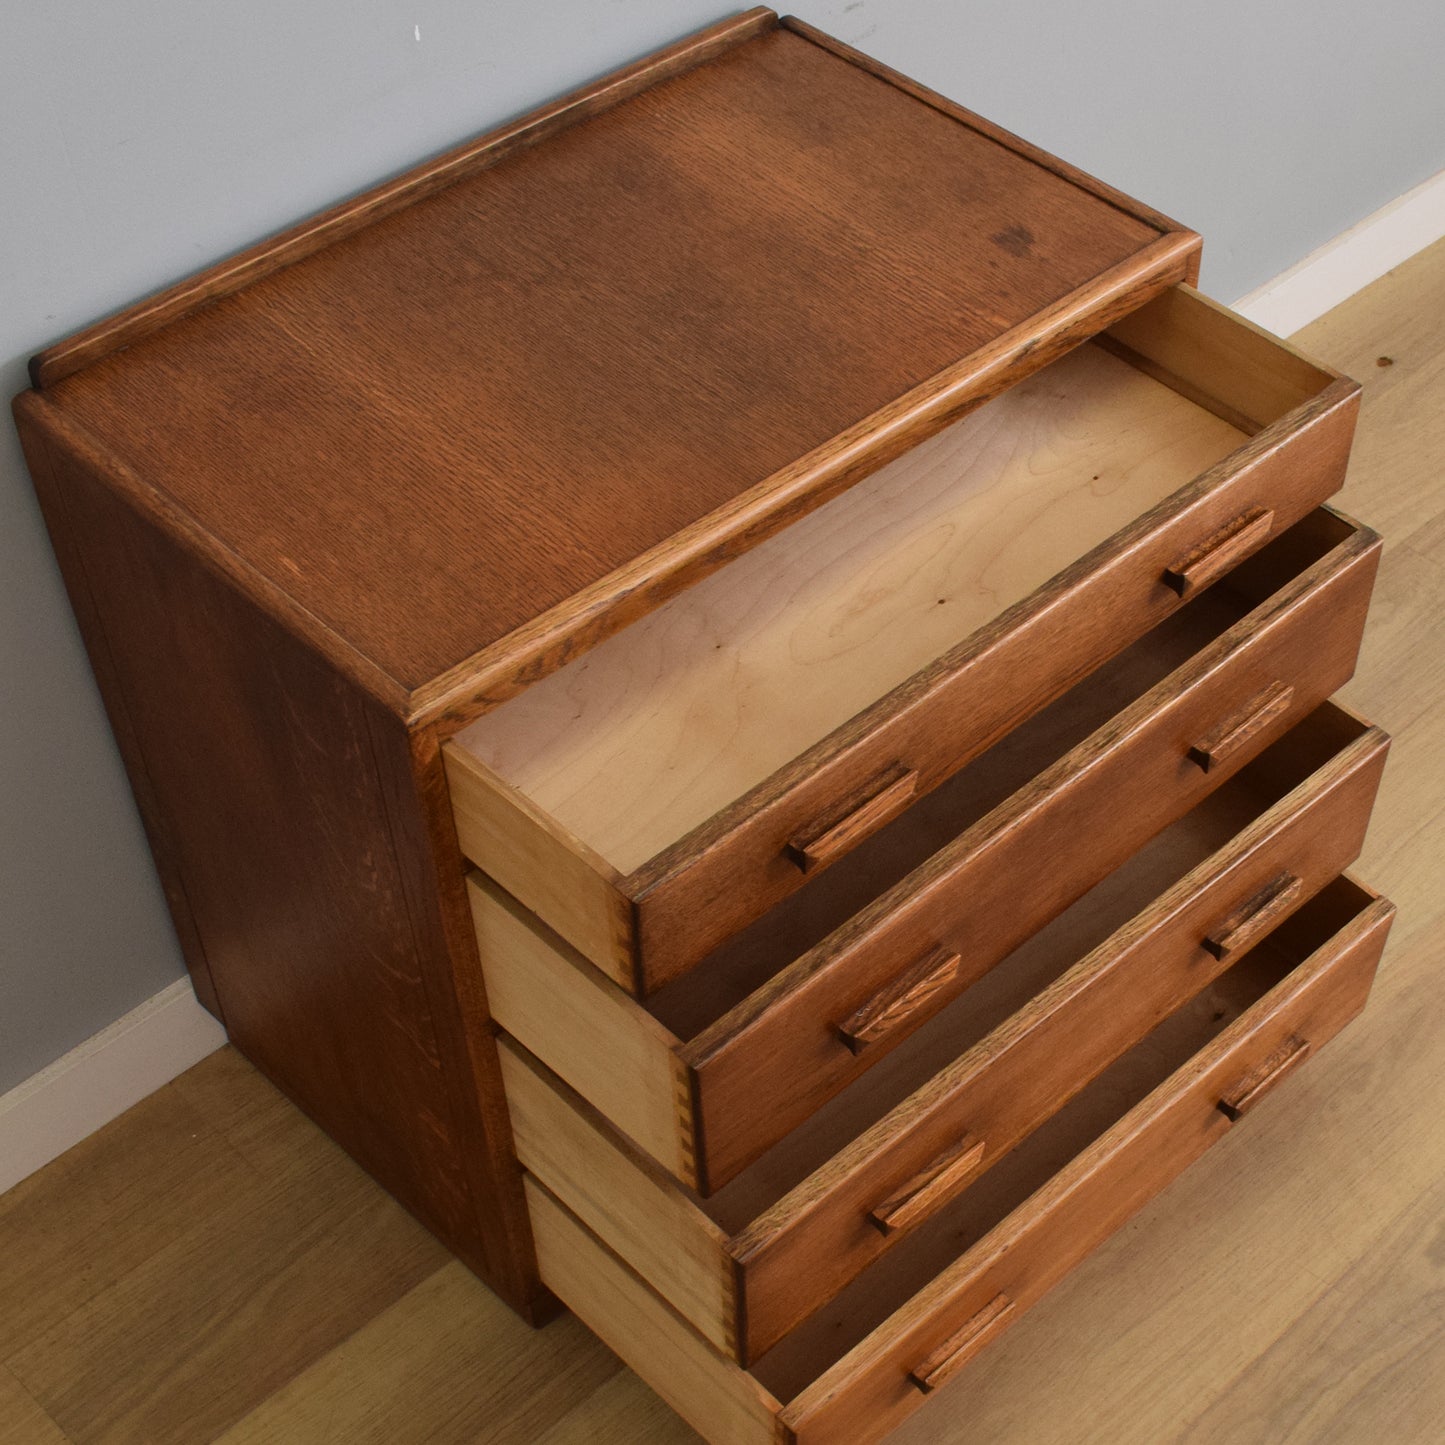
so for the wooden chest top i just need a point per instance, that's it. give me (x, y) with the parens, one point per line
(542, 382)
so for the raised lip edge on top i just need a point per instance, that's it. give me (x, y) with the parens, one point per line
(507, 665)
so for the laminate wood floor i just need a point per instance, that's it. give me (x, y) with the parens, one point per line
(210, 1267)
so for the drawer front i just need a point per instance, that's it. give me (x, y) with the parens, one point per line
(782, 1038)
(768, 1064)
(646, 915)
(744, 1292)
(972, 1302)
(923, 1344)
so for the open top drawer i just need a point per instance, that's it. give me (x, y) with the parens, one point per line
(659, 793)
(910, 1323)
(711, 1071)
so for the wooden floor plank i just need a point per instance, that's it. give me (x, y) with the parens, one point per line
(280, 1144)
(1366, 1362)
(1401, 671)
(22, 1421)
(208, 1328)
(1156, 1325)
(446, 1363)
(621, 1412)
(277, 1268)
(105, 1208)
(1400, 446)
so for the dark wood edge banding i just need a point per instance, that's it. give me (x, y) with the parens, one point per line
(971, 1272)
(736, 1296)
(690, 1125)
(996, 133)
(314, 234)
(689, 1156)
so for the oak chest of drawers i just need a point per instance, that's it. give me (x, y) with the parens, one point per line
(731, 687)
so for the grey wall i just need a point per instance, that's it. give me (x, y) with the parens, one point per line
(141, 139)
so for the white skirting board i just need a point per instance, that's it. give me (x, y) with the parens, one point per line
(91, 1085)
(101, 1078)
(1350, 262)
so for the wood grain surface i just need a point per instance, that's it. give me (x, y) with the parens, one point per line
(861, 1396)
(292, 815)
(601, 1041)
(811, 1242)
(1284, 1292)
(664, 695)
(846, 1378)
(936, 720)
(533, 857)
(1115, 790)
(708, 1390)
(623, 1198)
(536, 371)
(274, 254)
(650, 734)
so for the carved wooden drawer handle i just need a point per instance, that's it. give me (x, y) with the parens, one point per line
(1222, 742)
(1214, 556)
(896, 1003)
(1255, 917)
(955, 1352)
(1261, 1081)
(863, 813)
(931, 1187)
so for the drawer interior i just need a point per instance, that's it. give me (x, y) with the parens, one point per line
(635, 744)
(759, 952)
(883, 1288)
